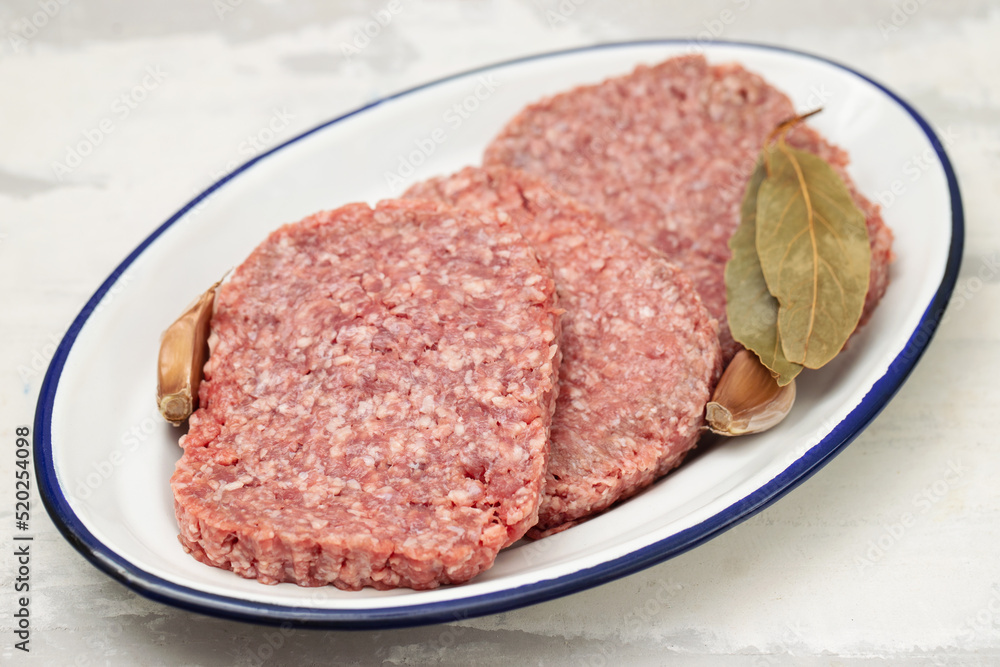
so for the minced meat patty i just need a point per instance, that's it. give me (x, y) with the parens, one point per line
(376, 408)
(665, 153)
(640, 352)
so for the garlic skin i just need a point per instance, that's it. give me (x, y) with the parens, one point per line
(183, 352)
(748, 398)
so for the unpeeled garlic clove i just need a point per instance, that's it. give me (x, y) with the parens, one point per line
(748, 398)
(183, 351)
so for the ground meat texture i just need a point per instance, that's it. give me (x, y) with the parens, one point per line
(639, 349)
(665, 153)
(377, 404)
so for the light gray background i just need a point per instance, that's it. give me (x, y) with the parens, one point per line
(801, 583)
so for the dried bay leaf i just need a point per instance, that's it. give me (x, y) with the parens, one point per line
(814, 254)
(751, 310)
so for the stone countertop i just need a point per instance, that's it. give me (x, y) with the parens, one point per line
(172, 95)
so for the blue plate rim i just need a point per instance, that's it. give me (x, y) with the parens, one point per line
(161, 590)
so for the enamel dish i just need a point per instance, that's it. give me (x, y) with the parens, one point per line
(104, 465)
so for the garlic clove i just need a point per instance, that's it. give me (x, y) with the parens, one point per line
(748, 398)
(183, 352)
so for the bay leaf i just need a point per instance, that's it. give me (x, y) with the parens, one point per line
(751, 310)
(813, 246)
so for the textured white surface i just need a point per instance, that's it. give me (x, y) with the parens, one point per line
(804, 582)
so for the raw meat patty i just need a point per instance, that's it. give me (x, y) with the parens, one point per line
(377, 404)
(640, 352)
(665, 153)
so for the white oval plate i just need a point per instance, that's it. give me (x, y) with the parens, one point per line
(104, 456)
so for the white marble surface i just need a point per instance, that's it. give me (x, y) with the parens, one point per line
(804, 582)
